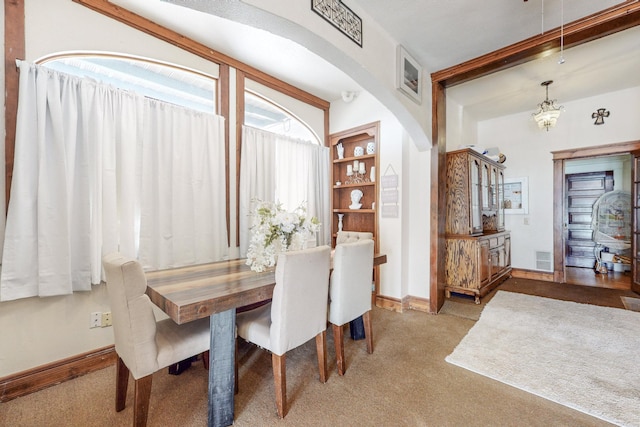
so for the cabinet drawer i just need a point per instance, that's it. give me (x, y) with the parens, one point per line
(495, 242)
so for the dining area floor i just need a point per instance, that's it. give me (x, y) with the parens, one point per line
(405, 382)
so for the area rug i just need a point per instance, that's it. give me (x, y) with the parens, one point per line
(578, 355)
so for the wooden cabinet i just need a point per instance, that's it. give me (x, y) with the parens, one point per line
(478, 249)
(361, 145)
(477, 264)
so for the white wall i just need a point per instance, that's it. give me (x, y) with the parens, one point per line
(529, 154)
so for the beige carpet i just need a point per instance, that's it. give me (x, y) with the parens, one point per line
(405, 382)
(578, 355)
(466, 309)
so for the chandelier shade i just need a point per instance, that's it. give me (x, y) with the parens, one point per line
(548, 112)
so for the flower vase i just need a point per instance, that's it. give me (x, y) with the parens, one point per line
(340, 216)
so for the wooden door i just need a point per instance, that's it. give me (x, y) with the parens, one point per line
(635, 221)
(582, 191)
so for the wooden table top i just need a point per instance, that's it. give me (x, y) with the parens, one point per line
(197, 291)
(193, 292)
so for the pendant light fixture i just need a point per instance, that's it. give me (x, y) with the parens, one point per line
(548, 112)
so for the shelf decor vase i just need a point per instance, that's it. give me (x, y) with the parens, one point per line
(371, 147)
(340, 216)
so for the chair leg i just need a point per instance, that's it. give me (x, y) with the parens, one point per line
(368, 331)
(280, 382)
(338, 340)
(205, 360)
(122, 380)
(321, 348)
(141, 400)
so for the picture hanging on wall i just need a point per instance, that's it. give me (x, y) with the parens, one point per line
(389, 195)
(340, 16)
(409, 75)
(516, 195)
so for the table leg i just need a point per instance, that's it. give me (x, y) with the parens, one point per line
(356, 327)
(221, 368)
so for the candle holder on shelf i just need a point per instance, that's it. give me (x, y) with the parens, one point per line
(357, 173)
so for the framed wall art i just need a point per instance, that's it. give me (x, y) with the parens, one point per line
(409, 75)
(340, 16)
(516, 196)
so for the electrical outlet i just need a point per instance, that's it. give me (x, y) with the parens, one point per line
(106, 319)
(96, 320)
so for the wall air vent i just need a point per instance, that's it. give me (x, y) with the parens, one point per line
(543, 261)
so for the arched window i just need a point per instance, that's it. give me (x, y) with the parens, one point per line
(153, 79)
(265, 114)
(123, 163)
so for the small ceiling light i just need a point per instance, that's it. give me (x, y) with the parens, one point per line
(548, 112)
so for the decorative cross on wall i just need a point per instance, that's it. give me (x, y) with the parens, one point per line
(599, 115)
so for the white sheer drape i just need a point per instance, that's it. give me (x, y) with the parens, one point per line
(78, 183)
(257, 176)
(183, 213)
(277, 168)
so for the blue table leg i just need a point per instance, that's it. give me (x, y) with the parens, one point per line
(221, 368)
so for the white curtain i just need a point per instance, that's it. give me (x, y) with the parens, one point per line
(78, 183)
(278, 168)
(183, 188)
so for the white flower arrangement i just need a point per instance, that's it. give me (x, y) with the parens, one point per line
(275, 230)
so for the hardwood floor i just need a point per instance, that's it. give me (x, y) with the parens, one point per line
(576, 292)
(584, 286)
(588, 277)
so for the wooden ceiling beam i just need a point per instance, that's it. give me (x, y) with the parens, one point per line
(601, 24)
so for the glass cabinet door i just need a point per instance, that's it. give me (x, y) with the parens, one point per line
(500, 198)
(635, 242)
(475, 186)
(493, 189)
(486, 187)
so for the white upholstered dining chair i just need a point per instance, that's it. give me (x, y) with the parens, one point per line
(345, 236)
(350, 293)
(144, 345)
(296, 314)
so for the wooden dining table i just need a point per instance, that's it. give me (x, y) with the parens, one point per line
(215, 290)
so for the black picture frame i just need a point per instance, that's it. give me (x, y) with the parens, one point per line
(340, 16)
